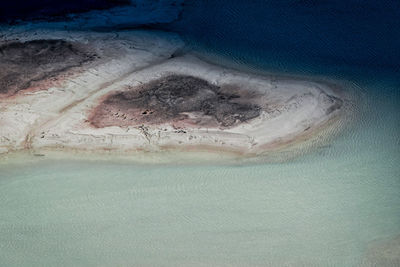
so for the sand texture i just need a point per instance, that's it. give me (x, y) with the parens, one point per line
(131, 91)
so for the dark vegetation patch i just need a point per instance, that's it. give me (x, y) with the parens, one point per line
(172, 99)
(23, 63)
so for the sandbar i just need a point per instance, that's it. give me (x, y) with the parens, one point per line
(132, 91)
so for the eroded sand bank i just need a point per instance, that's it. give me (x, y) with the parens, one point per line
(127, 92)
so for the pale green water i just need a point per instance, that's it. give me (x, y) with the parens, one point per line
(323, 209)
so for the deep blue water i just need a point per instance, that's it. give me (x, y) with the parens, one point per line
(49, 9)
(330, 34)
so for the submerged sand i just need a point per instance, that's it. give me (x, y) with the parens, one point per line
(127, 92)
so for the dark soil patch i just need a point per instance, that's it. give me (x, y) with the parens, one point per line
(171, 99)
(22, 63)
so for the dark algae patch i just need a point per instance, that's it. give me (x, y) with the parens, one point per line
(24, 63)
(174, 99)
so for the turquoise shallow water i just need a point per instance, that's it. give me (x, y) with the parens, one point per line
(336, 206)
(322, 209)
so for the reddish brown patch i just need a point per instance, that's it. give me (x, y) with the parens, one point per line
(176, 99)
(38, 64)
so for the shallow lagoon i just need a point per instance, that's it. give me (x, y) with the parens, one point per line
(324, 208)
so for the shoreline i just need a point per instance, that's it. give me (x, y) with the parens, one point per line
(66, 130)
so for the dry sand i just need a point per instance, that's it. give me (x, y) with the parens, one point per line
(94, 101)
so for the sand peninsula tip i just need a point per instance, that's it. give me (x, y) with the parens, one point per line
(125, 92)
